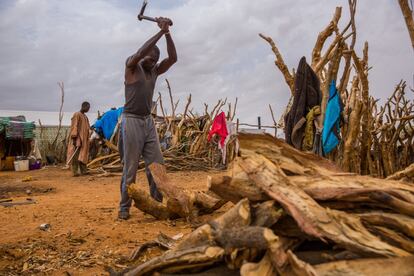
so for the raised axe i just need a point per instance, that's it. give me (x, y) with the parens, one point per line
(142, 16)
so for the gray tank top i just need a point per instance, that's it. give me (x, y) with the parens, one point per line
(138, 95)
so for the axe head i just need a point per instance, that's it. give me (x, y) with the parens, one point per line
(141, 13)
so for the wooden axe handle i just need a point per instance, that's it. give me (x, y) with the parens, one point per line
(140, 17)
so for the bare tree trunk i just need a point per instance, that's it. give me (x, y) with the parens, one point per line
(353, 128)
(362, 70)
(408, 16)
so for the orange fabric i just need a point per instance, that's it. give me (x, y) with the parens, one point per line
(219, 127)
(79, 129)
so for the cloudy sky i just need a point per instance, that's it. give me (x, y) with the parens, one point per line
(85, 43)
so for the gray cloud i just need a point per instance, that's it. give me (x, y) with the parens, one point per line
(85, 43)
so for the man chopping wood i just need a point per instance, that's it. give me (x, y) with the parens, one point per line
(138, 131)
(78, 146)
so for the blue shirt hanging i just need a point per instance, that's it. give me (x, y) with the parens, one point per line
(331, 127)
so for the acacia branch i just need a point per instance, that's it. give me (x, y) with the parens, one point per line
(62, 100)
(347, 55)
(408, 17)
(327, 32)
(280, 63)
(162, 108)
(171, 99)
(234, 110)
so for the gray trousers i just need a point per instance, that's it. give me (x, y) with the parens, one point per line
(138, 137)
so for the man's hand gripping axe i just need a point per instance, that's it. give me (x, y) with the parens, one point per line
(142, 16)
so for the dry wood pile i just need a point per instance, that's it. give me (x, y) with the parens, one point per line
(296, 214)
(186, 135)
(377, 139)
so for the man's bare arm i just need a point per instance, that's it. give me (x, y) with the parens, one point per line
(144, 50)
(172, 56)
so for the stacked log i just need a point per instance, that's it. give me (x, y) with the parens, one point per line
(296, 214)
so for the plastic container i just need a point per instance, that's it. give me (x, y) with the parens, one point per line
(22, 165)
(20, 157)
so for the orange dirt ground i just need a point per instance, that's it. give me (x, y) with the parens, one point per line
(85, 235)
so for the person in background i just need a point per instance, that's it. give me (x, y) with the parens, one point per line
(78, 146)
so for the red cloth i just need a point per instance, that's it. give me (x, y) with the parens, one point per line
(219, 127)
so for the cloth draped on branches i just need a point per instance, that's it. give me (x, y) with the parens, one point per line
(307, 95)
(224, 130)
(105, 125)
(311, 117)
(331, 125)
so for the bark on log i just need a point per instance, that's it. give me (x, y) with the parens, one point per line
(393, 238)
(354, 188)
(237, 216)
(394, 203)
(398, 222)
(291, 161)
(236, 187)
(368, 267)
(162, 241)
(266, 214)
(407, 173)
(203, 204)
(324, 256)
(202, 236)
(217, 270)
(353, 207)
(178, 201)
(263, 268)
(342, 228)
(144, 202)
(290, 265)
(192, 259)
(286, 226)
(298, 267)
(244, 238)
(207, 202)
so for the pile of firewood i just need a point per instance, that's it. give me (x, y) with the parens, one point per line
(185, 135)
(294, 214)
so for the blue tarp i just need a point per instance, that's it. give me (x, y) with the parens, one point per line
(106, 124)
(332, 120)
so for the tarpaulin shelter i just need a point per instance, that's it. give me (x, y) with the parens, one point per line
(16, 136)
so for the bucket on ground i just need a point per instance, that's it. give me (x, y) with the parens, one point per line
(21, 165)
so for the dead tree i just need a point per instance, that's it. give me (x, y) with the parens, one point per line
(408, 17)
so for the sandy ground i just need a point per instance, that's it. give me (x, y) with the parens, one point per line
(85, 235)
